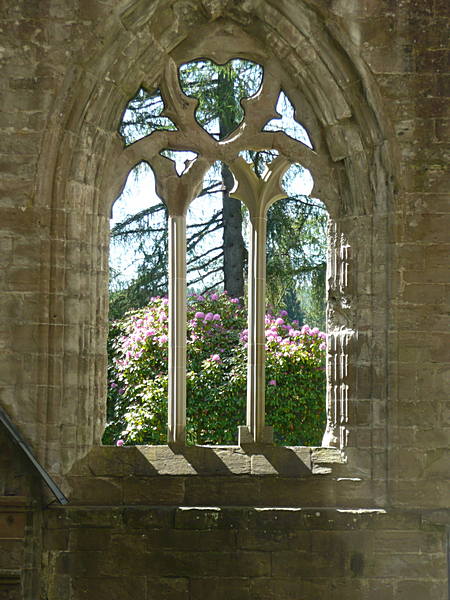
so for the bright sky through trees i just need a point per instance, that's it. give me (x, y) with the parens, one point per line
(139, 193)
(216, 222)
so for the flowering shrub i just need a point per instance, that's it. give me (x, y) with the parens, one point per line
(216, 375)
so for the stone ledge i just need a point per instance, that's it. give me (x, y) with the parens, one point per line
(252, 459)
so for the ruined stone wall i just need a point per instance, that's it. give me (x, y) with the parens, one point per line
(370, 78)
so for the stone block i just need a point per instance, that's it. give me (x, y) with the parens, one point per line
(209, 564)
(349, 588)
(289, 588)
(287, 563)
(12, 525)
(56, 539)
(185, 540)
(267, 519)
(98, 563)
(154, 491)
(274, 540)
(11, 554)
(224, 588)
(419, 590)
(414, 566)
(377, 589)
(220, 490)
(105, 588)
(94, 490)
(291, 462)
(282, 491)
(148, 518)
(170, 588)
(347, 541)
(212, 518)
(91, 516)
(89, 539)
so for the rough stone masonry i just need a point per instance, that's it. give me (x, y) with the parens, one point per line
(363, 517)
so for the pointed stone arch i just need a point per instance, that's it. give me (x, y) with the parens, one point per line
(335, 99)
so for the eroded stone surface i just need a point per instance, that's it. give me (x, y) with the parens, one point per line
(367, 78)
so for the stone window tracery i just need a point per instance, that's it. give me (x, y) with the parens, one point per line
(178, 130)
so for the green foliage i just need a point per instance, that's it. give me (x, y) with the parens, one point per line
(219, 90)
(216, 375)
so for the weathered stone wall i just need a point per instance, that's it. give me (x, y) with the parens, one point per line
(369, 79)
(20, 524)
(182, 553)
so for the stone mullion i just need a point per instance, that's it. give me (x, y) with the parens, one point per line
(177, 330)
(258, 195)
(256, 347)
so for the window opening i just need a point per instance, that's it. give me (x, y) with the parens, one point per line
(220, 90)
(295, 321)
(138, 278)
(286, 122)
(138, 246)
(258, 187)
(204, 249)
(144, 115)
(181, 159)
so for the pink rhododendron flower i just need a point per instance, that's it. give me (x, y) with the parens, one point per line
(209, 316)
(279, 321)
(150, 332)
(216, 317)
(120, 443)
(214, 296)
(163, 339)
(315, 331)
(199, 315)
(243, 336)
(322, 346)
(215, 357)
(235, 300)
(283, 313)
(272, 382)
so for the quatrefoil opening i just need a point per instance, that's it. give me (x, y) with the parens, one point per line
(220, 90)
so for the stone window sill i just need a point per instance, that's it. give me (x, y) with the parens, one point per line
(286, 461)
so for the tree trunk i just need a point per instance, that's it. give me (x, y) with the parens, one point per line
(233, 242)
(234, 252)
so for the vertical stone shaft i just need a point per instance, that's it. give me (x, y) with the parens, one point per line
(256, 328)
(177, 329)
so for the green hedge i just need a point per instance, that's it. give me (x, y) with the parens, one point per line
(216, 375)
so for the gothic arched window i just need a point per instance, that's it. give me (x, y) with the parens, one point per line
(257, 128)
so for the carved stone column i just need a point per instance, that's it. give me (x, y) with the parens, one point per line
(177, 329)
(258, 195)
